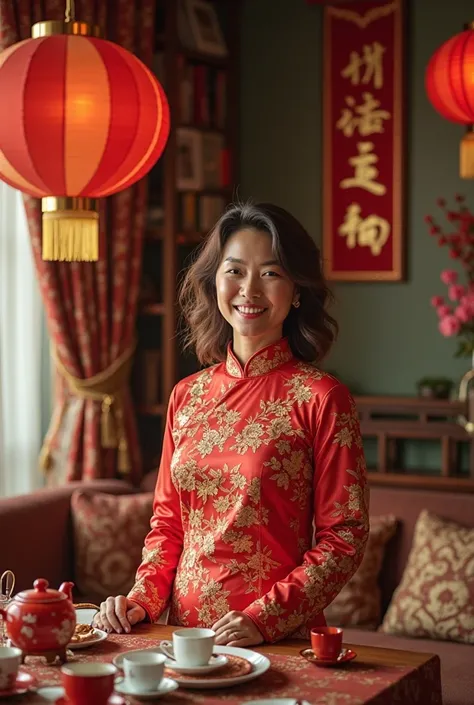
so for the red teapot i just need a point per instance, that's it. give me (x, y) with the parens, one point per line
(41, 621)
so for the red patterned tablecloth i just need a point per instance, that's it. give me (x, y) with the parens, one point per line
(356, 683)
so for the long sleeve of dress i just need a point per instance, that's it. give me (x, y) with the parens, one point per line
(341, 523)
(164, 542)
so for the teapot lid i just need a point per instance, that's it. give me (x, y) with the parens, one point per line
(41, 593)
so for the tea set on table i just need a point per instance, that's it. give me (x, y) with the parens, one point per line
(42, 622)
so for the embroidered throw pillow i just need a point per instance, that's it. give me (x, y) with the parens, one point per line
(109, 531)
(359, 602)
(435, 598)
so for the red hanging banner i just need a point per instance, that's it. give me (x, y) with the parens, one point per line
(363, 172)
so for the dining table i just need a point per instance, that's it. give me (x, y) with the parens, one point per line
(376, 676)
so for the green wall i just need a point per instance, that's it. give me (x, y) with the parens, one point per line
(389, 336)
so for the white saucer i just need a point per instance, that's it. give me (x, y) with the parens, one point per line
(166, 686)
(50, 693)
(216, 661)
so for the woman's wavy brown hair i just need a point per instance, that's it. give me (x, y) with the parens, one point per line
(310, 329)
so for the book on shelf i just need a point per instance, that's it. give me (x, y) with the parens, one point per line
(203, 160)
(210, 210)
(198, 213)
(202, 95)
(187, 212)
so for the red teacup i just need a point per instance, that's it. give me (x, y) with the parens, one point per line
(326, 642)
(87, 683)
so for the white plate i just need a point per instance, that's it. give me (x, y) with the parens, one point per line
(166, 686)
(260, 664)
(85, 615)
(218, 660)
(99, 636)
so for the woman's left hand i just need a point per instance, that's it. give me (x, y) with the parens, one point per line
(236, 629)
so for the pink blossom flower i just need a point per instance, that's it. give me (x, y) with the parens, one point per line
(443, 311)
(463, 314)
(449, 326)
(437, 301)
(467, 302)
(449, 276)
(456, 292)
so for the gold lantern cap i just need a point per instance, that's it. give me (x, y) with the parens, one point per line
(69, 25)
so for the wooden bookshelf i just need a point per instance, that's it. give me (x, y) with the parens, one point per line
(202, 91)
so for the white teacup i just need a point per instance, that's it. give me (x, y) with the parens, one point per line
(143, 670)
(10, 660)
(191, 647)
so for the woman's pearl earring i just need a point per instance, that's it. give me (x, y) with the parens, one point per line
(296, 303)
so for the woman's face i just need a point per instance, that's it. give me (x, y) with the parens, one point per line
(254, 293)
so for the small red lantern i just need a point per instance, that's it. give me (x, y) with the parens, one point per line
(449, 84)
(83, 118)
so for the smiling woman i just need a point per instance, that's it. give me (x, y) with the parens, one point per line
(257, 255)
(259, 449)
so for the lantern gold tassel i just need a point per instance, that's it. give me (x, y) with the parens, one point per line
(70, 230)
(467, 155)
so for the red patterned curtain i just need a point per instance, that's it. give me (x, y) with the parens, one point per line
(91, 307)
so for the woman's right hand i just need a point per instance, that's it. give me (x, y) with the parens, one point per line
(118, 614)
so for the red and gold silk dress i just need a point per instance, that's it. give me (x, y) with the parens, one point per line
(251, 457)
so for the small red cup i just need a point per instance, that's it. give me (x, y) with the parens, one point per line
(87, 683)
(326, 642)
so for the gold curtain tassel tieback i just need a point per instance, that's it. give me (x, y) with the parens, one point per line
(108, 426)
(105, 387)
(123, 462)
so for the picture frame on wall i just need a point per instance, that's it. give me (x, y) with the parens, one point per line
(189, 171)
(205, 28)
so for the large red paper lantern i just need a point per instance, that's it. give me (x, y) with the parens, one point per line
(449, 84)
(82, 118)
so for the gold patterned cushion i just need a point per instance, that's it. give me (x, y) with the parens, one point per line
(359, 602)
(109, 531)
(435, 598)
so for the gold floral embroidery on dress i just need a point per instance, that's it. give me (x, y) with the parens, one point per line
(228, 452)
(263, 362)
(232, 366)
(154, 555)
(325, 579)
(196, 405)
(274, 418)
(235, 500)
(226, 489)
(349, 428)
(146, 594)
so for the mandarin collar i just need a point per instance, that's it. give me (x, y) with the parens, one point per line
(262, 362)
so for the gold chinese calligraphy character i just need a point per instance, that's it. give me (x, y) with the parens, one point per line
(366, 118)
(366, 67)
(365, 173)
(372, 232)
